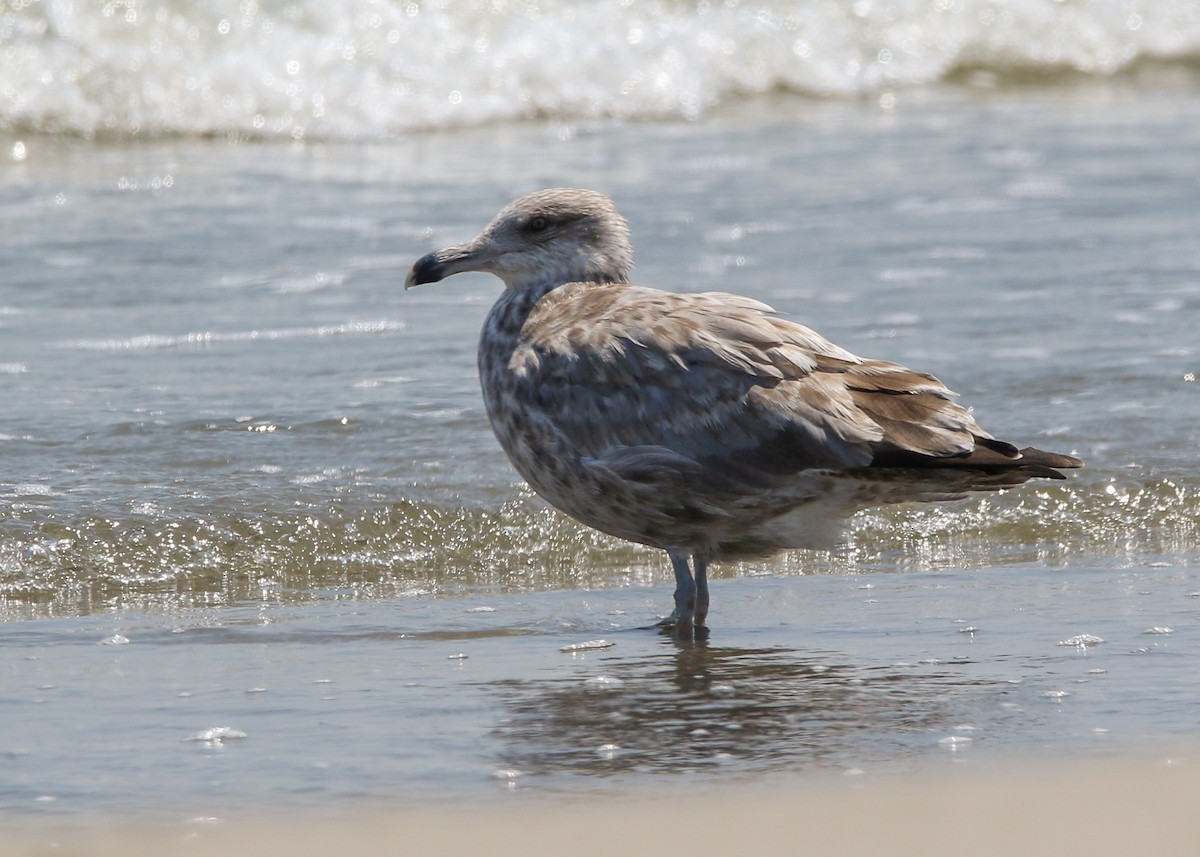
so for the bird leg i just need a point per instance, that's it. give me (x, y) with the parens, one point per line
(685, 593)
(701, 563)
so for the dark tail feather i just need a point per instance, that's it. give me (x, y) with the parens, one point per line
(1001, 464)
(1049, 460)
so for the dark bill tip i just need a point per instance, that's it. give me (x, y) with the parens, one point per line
(428, 269)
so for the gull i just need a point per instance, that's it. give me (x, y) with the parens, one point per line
(702, 424)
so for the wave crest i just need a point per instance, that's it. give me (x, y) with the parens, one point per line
(363, 68)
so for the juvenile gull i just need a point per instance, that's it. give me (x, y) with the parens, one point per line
(702, 424)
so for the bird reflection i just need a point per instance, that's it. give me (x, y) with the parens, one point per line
(754, 709)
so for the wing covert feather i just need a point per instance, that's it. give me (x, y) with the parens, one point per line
(722, 381)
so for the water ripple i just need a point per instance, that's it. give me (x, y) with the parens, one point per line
(159, 558)
(154, 342)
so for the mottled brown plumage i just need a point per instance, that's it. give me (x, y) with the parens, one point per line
(702, 424)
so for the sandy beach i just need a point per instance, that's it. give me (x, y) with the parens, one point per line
(1142, 805)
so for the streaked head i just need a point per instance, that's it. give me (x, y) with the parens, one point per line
(541, 240)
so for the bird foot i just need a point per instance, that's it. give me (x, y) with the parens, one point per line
(682, 630)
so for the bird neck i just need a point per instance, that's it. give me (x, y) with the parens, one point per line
(534, 289)
(508, 314)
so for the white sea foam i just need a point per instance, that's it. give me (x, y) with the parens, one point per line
(217, 735)
(364, 68)
(1082, 641)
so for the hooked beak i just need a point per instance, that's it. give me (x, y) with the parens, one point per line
(440, 264)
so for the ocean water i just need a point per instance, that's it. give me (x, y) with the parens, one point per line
(259, 549)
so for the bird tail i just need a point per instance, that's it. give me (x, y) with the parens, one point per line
(992, 466)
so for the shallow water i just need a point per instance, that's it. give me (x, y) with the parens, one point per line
(377, 701)
(233, 441)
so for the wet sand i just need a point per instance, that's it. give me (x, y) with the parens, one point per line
(1119, 807)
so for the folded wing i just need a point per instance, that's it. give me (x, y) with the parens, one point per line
(751, 399)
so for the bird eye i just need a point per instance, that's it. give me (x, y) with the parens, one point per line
(538, 223)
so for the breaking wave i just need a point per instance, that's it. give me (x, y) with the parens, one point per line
(370, 68)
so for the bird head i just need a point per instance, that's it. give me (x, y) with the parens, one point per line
(541, 240)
